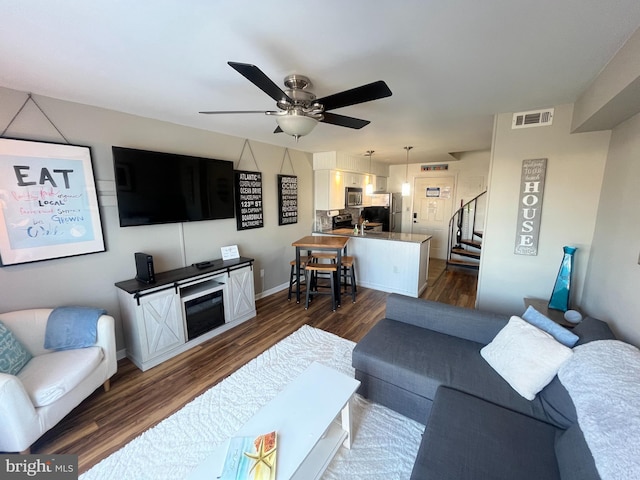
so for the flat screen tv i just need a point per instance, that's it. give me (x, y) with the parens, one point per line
(155, 187)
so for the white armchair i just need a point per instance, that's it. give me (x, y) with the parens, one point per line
(52, 383)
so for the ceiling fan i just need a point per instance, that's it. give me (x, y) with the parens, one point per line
(299, 110)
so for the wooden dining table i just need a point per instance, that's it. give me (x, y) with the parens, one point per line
(331, 243)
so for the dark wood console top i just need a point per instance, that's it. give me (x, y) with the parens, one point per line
(171, 277)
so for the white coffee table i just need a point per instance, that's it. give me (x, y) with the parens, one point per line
(304, 415)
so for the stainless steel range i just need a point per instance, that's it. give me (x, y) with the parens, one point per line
(342, 221)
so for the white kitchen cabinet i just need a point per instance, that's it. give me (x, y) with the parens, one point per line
(154, 317)
(352, 179)
(329, 189)
(380, 184)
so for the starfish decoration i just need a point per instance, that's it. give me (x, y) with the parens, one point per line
(263, 459)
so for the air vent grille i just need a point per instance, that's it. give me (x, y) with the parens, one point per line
(534, 118)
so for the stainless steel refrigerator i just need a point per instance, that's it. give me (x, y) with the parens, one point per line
(386, 208)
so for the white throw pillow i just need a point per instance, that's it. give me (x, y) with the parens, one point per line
(525, 356)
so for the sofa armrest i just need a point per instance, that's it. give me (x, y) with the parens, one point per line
(18, 417)
(473, 325)
(106, 339)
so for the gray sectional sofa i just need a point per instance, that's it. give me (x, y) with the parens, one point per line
(423, 360)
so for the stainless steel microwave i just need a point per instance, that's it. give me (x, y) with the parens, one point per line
(353, 197)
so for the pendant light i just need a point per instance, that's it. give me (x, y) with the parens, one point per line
(369, 188)
(406, 188)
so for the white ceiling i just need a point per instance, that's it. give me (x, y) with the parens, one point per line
(451, 64)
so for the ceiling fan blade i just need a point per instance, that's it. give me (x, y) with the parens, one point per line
(235, 111)
(344, 121)
(364, 93)
(260, 80)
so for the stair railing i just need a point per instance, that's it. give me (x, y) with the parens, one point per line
(463, 224)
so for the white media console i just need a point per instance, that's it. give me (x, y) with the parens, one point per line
(183, 308)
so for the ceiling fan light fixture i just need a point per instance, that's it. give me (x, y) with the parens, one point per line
(296, 124)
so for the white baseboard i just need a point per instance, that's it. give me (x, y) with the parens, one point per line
(273, 290)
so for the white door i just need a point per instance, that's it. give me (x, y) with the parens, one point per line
(432, 210)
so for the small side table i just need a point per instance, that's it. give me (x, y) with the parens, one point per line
(543, 307)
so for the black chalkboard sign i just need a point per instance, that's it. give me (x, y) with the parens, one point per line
(287, 199)
(249, 210)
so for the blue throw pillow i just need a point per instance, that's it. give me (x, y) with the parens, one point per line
(13, 355)
(558, 332)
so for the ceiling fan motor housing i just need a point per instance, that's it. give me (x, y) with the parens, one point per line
(296, 85)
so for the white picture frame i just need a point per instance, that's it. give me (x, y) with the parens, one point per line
(230, 252)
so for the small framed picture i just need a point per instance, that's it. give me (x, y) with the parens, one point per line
(230, 252)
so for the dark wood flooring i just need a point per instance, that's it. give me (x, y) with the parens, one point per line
(105, 422)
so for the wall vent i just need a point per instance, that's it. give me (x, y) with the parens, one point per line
(534, 118)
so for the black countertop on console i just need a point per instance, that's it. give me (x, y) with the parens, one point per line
(174, 276)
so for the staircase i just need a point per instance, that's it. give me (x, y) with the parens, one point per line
(465, 234)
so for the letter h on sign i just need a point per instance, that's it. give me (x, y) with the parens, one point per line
(530, 206)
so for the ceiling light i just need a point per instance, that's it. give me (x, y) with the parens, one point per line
(406, 188)
(369, 188)
(296, 124)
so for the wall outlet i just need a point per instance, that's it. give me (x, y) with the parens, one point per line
(262, 272)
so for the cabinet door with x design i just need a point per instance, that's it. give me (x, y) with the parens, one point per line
(163, 325)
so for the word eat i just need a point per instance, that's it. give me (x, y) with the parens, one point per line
(22, 175)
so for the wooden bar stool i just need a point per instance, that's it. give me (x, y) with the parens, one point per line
(292, 276)
(312, 269)
(324, 256)
(348, 276)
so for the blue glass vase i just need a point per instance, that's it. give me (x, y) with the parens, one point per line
(562, 289)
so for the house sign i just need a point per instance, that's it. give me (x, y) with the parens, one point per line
(530, 206)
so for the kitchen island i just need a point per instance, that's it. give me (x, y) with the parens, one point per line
(389, 261)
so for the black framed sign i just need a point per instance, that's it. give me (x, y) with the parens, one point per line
(249, 208)
(48, 202)
(287, 199)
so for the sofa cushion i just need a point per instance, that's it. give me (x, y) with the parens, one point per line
(48, 377)
(469, 438)
(590, 329)
(575, 461)
(419, 360)
(525, 356)
(13, 355)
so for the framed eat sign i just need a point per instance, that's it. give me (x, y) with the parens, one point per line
(48, 202)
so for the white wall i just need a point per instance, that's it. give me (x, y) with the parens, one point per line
(471, 171)
(89, 279)
(575, 169)
(611, 288)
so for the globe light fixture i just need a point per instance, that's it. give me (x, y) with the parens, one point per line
(296, 123)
